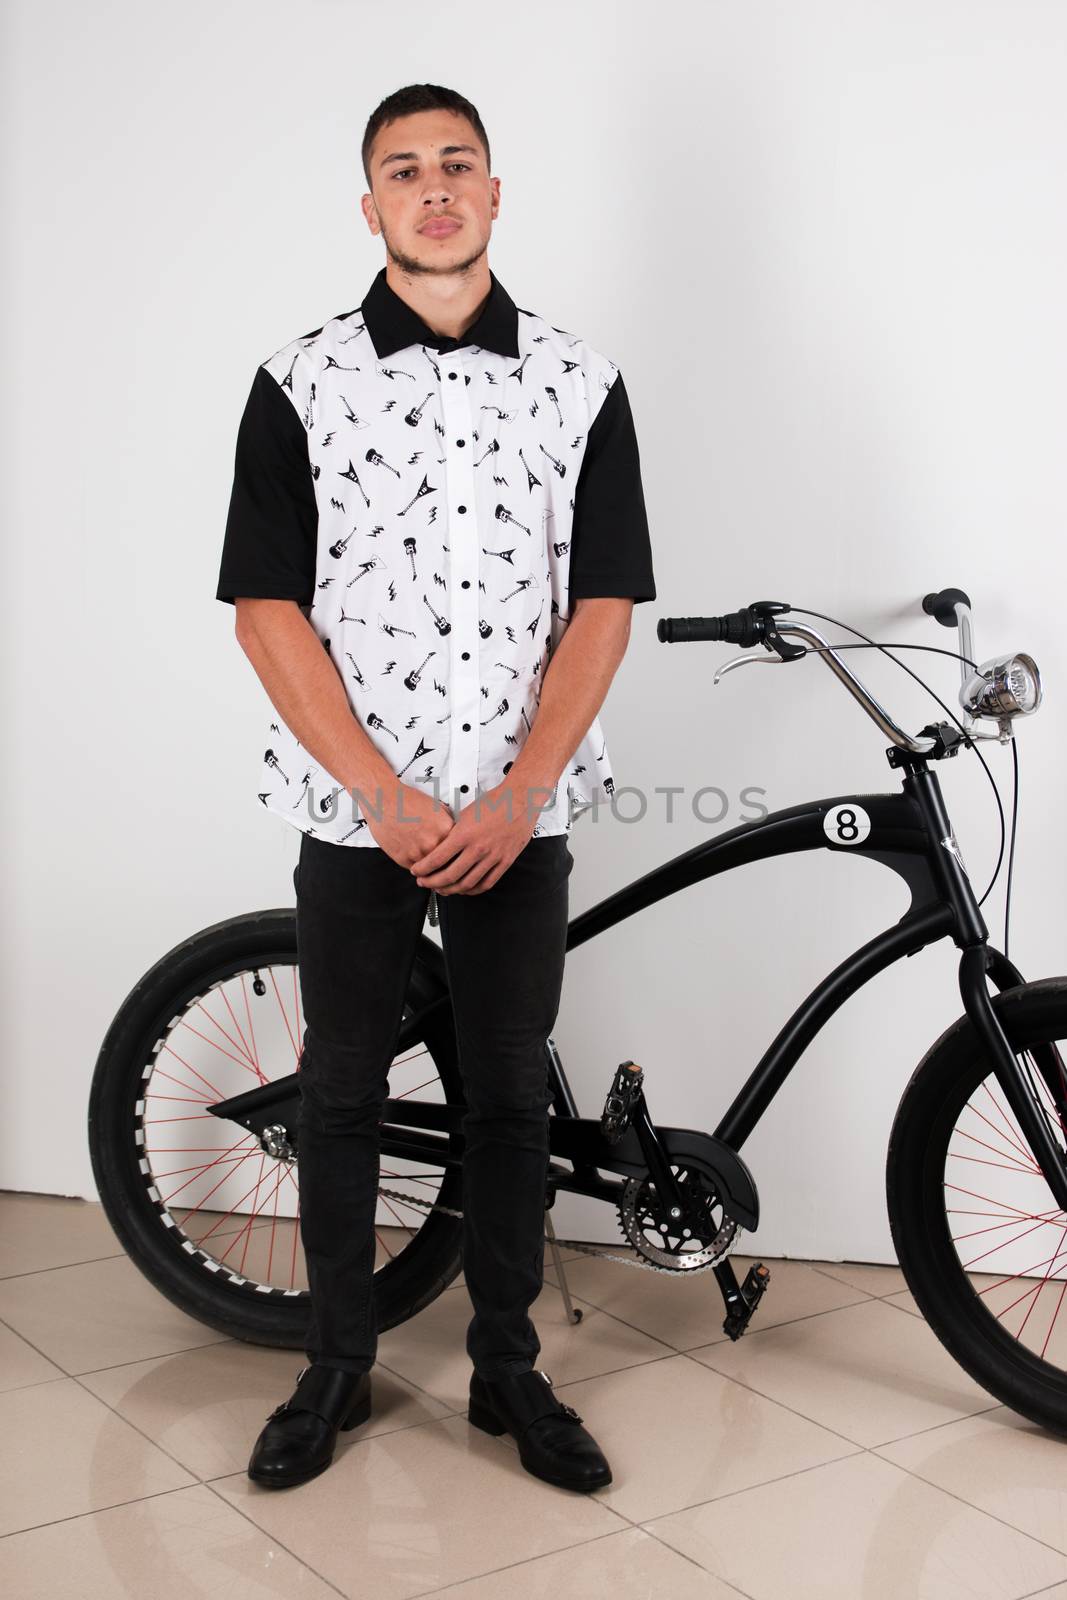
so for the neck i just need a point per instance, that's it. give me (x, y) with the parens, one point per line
(448, 302)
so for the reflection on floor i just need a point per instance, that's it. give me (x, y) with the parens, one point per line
(836, 1451)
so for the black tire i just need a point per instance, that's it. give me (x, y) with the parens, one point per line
(952, 1138)
(191, 1275)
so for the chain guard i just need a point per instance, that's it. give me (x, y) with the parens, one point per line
(689, 1243)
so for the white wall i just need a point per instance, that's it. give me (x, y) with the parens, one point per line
(826, 244)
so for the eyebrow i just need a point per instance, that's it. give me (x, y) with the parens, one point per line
(446, 150)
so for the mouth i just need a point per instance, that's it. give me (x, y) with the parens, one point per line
(439, 227)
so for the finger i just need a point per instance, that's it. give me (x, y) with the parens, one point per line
(466, 881)
(434, 859)
(444, 878)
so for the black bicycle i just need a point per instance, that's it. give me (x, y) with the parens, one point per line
(193, 1106)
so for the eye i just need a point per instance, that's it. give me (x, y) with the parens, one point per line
(462, 165)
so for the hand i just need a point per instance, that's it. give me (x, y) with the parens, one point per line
(478, 850)
(398, 832)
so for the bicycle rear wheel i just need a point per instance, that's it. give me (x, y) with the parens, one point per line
(208, 1214)
(981, 1241)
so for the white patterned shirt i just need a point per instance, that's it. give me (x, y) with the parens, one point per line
(436, 506)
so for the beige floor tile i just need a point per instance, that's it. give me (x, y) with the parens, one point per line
(65, 1453)
(675, 1438)
(1001, 1463)
(865, 1275)
(868, 1371)
(420, 1508)
(98, 1314)
(205, 1407)
(685, 1312)
(21, 1364)
(38, 1231)
(624, 1566)
(859, 1528)
(188, 1545)
(905, 1300)
(430, 1348)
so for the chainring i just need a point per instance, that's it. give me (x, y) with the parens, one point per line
(677, 1244)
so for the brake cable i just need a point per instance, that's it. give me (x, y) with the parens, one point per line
(873, 644)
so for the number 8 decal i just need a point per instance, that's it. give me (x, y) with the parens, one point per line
(846, 824)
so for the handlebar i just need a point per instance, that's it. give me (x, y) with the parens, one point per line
(758, 624)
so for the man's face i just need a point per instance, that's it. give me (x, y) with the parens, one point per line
(432, 198)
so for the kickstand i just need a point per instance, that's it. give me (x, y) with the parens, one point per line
(574, 1313)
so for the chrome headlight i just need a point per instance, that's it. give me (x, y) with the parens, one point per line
(1008, 686)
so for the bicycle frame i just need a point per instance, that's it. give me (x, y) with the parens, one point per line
(909, 833)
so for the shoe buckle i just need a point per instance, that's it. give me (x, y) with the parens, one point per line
(569, 1411)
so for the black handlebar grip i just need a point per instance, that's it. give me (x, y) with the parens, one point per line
(685, 630)
(942, 605)
(736, 627)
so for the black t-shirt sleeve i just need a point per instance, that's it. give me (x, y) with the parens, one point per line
(611, 551)
(271, 534)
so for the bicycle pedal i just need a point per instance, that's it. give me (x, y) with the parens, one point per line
(749, 1295)
(621, 1100)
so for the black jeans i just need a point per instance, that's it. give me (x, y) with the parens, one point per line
(359, 917)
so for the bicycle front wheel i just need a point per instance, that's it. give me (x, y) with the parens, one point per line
(202, 1206)
(980, 1240)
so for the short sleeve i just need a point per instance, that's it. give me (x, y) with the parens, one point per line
(611, 551)
(271, 534)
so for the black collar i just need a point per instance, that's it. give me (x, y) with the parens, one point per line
(393, 325)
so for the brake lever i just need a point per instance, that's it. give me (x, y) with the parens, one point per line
(747, 661)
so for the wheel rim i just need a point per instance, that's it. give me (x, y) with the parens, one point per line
(1008, 1235)
(231, 1206)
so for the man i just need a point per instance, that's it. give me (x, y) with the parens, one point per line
(435, 540)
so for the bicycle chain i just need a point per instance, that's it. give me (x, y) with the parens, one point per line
(575, 1244)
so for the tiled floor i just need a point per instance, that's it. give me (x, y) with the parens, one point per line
(833, 1452)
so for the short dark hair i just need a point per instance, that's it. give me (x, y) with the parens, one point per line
(419, 97)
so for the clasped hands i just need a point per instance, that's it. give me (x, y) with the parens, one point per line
(459, 855)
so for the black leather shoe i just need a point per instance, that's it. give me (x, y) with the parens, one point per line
(299, 1439)
(552, 1443)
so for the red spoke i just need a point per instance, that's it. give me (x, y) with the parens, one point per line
(1033, 1166)
(1044, 1280)
(296, 1238)
(251, 1025)
(1011, 1129)
(255, 1197)
(213, 1044)
(245, 1045)
(158, 1072)
(1027, 1216)
(215, 1095)
(201, 1203)
(243, 1058)
(400, 1221)
(1001, 1166)
(296, 1003)
(206, 1166)
(201, 1167)
(246, 1228)
(1016, 1144)
(417, 1087)
(402, 1061)
(160, 1122)
(967, 1265)
(285, 1014)
(1012, 1276)
(1055, 1314)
